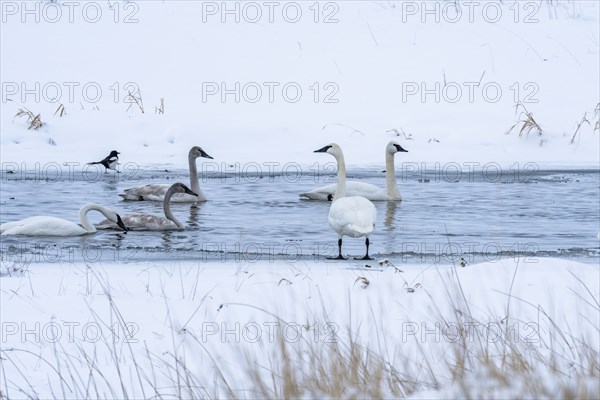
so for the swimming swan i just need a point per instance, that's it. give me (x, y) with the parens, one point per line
(352, 216)
(149, 222)
(52, 226)
(158, 192)
(366, 190)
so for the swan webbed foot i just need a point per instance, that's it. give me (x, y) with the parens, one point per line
(340, 256)
(366, 257)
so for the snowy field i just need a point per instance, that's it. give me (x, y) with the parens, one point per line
(252, 330)
(482, 90)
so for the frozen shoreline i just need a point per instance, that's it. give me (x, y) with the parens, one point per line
(234, 309)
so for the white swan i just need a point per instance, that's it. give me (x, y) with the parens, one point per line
(149, 222)
(353, 216)
(52, 226)
(158, 192)
(366, 190)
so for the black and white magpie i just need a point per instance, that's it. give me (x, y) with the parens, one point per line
(110, 162)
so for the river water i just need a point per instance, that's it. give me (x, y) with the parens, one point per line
(254, 217)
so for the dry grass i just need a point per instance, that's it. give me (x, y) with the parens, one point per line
(597, 115)
(14, 268)
(160, 109)
(34, 121)
(363, 281)
(342, 370)
(584, 120)
(61, 111)
(135, 98)
(398, 133)
(558, 365)
(525, 122)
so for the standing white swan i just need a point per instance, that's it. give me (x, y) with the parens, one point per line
(352, 216)
(366, 190)
(149, 222)
(158, 192)
(52, 226)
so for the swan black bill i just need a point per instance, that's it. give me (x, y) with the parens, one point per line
(121, 224)
(322, 150)
(205, 155)
(400, 148)
(189, 191)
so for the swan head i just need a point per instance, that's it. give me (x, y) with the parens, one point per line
(116, 218)
(197, 151)
(332, 148)
(114, 153)
(181, 188)
(393, 148)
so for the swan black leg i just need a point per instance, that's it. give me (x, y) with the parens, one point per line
(366, 257)
(339, 257)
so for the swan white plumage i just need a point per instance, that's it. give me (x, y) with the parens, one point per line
(352, 216)
(158, 192)
(366, 190)
(52, 226)
(149, 222)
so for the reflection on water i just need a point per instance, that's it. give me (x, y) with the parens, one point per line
(194, 216)
(542, 216)
(390, 213)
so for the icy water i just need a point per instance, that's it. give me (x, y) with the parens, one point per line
(259, 217)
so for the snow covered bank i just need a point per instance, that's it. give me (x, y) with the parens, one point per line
(275, 329)
(443, 78)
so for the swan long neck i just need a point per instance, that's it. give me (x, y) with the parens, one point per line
(194, 182)
(167, 208)
(390, 177)
(83, 219)
(340, 190)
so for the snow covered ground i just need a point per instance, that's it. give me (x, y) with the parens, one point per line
(495, 330)
(268, 83)
(446, 74)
